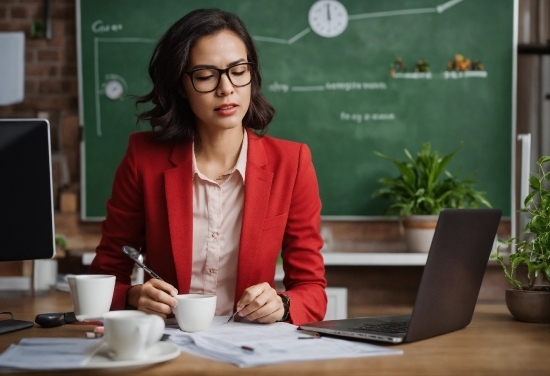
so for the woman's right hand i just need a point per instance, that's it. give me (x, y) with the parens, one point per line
(154, 297)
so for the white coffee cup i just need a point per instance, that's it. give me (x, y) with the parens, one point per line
(91, 295)
(129, 333)
(195, 312)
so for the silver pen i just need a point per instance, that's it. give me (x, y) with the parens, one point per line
(135, 256)
(232, 316)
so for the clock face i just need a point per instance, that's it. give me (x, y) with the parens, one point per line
(328, 18)
(114, 89)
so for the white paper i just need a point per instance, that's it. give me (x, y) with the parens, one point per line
(49, 353)
(271, 344)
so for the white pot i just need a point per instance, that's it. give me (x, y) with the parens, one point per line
(419, 232)
(45, 274)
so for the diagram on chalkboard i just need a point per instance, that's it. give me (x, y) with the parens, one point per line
(113, 86)
(329, 18)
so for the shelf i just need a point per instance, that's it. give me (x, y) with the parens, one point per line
(366, 259)
(388, 259)
(340, 258)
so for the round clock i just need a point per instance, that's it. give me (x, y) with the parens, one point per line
(114, 89)
(328, 18)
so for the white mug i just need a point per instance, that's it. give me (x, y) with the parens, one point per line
(129, 333)
(91, 295)
(45, 274)
(195, 312)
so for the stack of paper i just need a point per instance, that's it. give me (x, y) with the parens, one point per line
(249, 344)
(49, 353)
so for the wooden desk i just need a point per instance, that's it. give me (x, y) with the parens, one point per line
(493, 344)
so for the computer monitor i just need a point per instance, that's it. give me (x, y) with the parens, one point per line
(26, 201)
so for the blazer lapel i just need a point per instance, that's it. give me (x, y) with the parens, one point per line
(256, 197)
(179, 199)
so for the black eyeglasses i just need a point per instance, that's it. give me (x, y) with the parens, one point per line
(205, 80)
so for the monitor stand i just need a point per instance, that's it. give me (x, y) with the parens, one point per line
(35, 284)
(11, 325)
(18, 287)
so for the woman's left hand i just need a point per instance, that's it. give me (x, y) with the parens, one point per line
(261, 303)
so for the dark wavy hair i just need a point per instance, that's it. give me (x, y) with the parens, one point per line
(171, 116)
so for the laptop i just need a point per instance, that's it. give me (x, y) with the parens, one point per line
(449, 287)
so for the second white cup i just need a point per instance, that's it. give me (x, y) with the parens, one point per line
(130, 333)
(195, 312)
(91, 295)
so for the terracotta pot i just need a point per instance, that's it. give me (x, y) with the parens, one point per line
(529, 305)
(419, 232)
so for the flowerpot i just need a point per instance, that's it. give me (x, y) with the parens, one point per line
(529, 305)
(419, 232)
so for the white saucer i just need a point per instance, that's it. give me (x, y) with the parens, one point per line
(160, 352)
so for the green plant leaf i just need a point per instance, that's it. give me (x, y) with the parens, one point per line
(60, 241)
(534, 251)
(445, 161)
(514, 282)
(424, 186)
(534, 183)
(515, 262)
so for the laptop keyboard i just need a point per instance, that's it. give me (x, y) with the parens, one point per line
(387, 327)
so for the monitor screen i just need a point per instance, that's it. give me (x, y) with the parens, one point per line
(26, 201)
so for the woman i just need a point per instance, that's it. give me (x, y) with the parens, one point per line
(210, 202)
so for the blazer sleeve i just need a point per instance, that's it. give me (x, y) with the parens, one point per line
(303, 263)
(124, 225)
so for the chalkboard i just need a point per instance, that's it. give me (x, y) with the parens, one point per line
(342, 90)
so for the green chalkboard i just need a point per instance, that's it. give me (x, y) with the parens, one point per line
(337, 93)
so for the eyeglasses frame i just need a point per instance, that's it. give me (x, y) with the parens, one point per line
(221, 72)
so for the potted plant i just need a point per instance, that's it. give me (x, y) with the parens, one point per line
(422, 188)
(530, 302)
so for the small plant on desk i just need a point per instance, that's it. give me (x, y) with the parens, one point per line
(531, 302)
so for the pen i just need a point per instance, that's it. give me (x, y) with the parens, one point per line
(232, 316)
(134, 255)
(247, 348)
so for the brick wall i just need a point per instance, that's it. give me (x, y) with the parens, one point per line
(51, 85)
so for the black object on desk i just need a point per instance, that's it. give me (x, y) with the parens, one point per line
(12, 325)
(52, 320)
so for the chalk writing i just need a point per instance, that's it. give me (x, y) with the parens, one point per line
(464, 74)
(364, 117)
(347, 86)
(100, 27)
(277, 87)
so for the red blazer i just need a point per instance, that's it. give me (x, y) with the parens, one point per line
(151, 208)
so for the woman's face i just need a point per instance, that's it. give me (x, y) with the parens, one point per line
(225, 107)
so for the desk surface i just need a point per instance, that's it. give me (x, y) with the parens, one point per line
(494, 343)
